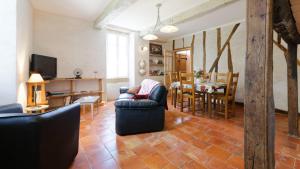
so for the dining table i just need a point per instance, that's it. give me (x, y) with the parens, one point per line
(206, 87)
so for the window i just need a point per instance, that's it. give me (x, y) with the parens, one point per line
(117, 55)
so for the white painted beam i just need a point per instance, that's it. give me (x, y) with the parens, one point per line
(114, 9)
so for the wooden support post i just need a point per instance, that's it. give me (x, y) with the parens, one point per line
(259, 100)
(292, 77)
(204, 51)
(173, 44)
(230, 65)
(192, 53)
(219, 41)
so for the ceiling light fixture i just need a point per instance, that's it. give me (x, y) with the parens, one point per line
(169, 28)
(165, 29)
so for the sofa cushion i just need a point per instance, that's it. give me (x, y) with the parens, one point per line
(141, 104)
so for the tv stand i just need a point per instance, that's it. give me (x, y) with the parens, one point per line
(72, 90)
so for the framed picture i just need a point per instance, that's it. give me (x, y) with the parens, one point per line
(155, 49)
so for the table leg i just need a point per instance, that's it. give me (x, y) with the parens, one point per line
(92, 110)
(98, 107)
(175, 97)
(83, 108)
(209, 104)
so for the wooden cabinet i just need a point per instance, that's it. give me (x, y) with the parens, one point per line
(36, 94)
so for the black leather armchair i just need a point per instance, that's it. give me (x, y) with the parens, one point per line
(140, 116)
(38, 141)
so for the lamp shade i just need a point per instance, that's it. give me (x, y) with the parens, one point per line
(169, 29)
(35, 78)
(150, 37)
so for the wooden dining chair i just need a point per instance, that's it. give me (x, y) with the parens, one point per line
(188, 90)
(174, 77)
(205, 76)
(229, 97)
(221, 77)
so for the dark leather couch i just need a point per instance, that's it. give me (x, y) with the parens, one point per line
(38, 141)
(141, 116)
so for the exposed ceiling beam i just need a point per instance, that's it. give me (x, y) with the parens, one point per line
(284, 22)
(195, 12)
(114, 9)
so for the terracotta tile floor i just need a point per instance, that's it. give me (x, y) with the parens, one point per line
(188, 142)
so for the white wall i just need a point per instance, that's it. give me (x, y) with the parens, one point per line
(8, 92)
(24, 47)
(74, 42)
(238, 48)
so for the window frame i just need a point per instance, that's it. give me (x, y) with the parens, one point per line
(118, 34)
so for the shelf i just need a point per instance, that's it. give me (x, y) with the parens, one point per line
(152, 64)
(155, 55)
(75, 94)
(71, 79)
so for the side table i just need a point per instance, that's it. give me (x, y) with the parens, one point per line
(36, 109)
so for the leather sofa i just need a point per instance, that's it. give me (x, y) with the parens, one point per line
(38, 141)
(141, 116)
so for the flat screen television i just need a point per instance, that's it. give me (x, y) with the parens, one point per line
(45, 65)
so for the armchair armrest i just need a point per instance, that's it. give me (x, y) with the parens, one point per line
(123, 90)
(136, 104)
(11, 108)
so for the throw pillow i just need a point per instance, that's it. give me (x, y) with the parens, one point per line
(134, 90)
(140, 96)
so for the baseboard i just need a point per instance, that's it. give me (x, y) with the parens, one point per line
(276, 110)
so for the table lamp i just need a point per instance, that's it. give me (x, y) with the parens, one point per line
(35, 78)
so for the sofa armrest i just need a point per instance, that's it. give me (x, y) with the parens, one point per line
(59, 134)
(136, 104)
(123, 90)
(11, 108)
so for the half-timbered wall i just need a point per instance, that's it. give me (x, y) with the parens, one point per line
(238, 48)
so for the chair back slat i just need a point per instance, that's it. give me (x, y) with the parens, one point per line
(232, 85)
(205, 76)
(222, 77)
(174, 77)
(187, 79)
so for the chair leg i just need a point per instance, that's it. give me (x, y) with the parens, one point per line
(193, 108)
(175, 99)
(172, 97)
(233, 107)
(181, 103)
(226, 110)
(203, 103)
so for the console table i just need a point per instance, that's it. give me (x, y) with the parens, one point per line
(65, 89)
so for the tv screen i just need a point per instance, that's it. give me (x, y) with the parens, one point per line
(45, 65)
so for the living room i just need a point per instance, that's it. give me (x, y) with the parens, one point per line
(144, 84)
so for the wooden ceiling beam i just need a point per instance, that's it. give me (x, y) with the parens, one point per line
(283, 21)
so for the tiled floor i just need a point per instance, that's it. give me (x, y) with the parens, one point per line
(188, 142)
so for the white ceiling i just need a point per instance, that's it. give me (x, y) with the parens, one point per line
(143, 13)
(83, 9)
